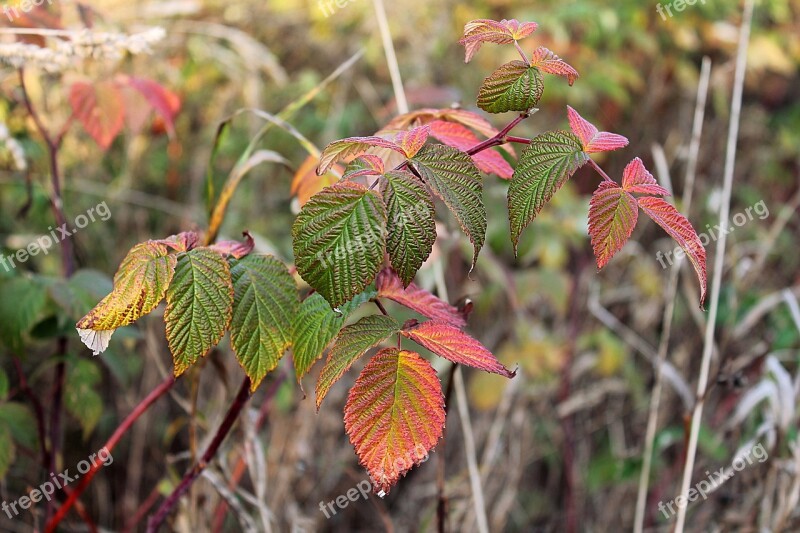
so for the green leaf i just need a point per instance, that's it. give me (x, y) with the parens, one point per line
(514, 86)
(351, 343)
(265, 303)
(77, 295)
(453, 177)
(339, 240)
(139, 286)
(544, 166)
(21, 306)
(18, 419)
(316, 325)
(7, 450)
(3, 385)
(412, 226)
(81, 398)
(394, 414)
(199, 304)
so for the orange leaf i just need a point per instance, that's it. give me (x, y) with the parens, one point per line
(412, 140)
(612, 217)
(394, 415)
(99, 108)
(454, 345)
(549, 62)
(306, 183)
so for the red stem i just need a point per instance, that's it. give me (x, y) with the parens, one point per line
(600, 170)
(109, 446)
(158, 518)
(499, 137)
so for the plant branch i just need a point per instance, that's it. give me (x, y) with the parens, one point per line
(500, 137)
(37, 409)
(239, 402)
(600, 171)
(138, 411)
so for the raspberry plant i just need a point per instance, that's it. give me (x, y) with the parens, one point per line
(361, 236)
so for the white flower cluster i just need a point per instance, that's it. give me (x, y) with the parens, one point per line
(80, 44)
(21, 54)
(85, 44)
(14, 147)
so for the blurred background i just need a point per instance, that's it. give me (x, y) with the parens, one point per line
(559, 446)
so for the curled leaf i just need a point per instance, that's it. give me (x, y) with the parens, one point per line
(591, 138)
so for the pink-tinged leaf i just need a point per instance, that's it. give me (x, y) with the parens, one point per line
(457, 136)
(352, 147)
(417, 299)
(99, 108)
(636, 178)
(612, 217)
(182, 242)
(394, 415)
(454, 345)
(547, 61)
(477, 32)
(680, 229)
(165, 102)
(413, 140)
(593, 140)
(235, 249)
(364, 165)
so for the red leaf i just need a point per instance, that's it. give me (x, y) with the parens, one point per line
(592, 139)
(182, 242)
(417, 299)
(165, 102)
(394, 415)
(412, 140)
(477, 32)
(235, 249)
(676, 225)
(612, 217)
(352, 147)
(549, 62)
(636, 178)
(99, 108)
(457, 136)
(454, 345)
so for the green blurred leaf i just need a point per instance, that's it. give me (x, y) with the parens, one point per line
(81, 398)
(22, 302)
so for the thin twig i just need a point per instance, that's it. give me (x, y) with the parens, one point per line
(391, 58)
(441, 499)
(719, 259)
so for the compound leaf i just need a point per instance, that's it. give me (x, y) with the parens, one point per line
(411, 223)
(265, 303)
(612, 217)
(477, 32)
(680, 229)
(199, 304)
(339, 240)
(514, 86)
(454, 345)
(453, 177)
(544, 166)
(394, 415)
(351, 343)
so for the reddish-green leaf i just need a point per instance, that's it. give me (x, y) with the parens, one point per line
(612, 217)
(265, 303)
(351, 147)
(544, 166)
(394, 415)
(454, 345)
(547, 61)
(99, 108)
(458, 136)
(413, 140)
(139, 285)
(417, 299)
(411, 223)
(199, 305)
(680, 229)
(165, 102)
(235, 249)
(364, 165)
(636, 178)
(514, 86)
(339, 240)
(477, 32)
(351, 343)
(591, 138)
(453, 177)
